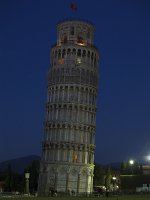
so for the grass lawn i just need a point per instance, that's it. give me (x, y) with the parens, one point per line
(126, 197)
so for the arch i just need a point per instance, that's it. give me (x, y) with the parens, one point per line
(56, 54)
(72, 30)
(58, 125)
(95, 60)
(79, 53)
(92, 55)
(74, 51)
(84, 53)
(59, 54)
(63, 53)
(64, 38)
(68, 51)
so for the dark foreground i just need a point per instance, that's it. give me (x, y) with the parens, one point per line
(123, 197)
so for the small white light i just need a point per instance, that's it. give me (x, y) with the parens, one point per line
(131, 162)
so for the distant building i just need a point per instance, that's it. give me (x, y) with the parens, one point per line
(67, 162)
(146, 169)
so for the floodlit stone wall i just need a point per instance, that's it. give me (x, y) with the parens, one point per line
(68, 145)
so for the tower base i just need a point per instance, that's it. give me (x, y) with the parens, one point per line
(66, 179)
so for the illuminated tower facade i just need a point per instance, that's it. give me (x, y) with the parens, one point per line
(67, 162)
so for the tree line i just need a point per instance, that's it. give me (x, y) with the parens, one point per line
(103, 176)
(14, 181)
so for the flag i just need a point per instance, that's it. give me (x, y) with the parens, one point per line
(73, 7)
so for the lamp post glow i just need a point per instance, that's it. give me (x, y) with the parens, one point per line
(147, 158)
(27, 176)
(131, 162)
(114, 183)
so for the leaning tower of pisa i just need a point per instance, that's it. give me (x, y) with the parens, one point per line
(67, 162)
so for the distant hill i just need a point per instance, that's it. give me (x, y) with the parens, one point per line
(19, 164)
(114, 165)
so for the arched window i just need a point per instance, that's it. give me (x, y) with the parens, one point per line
(88, 34)
(71, 30)
(59, 54)
(68, 51)
(63, 53)
(64, 38)
(95, 61)
(55, 54)
(80, 39)
(74, 51)
(92, 56)
(84, 53)
(79, 53)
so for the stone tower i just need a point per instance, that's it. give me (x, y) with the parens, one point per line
(67, 162)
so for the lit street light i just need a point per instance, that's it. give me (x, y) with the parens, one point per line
(114, 183)
(131, 162)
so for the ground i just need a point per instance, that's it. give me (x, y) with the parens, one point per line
(129, 197)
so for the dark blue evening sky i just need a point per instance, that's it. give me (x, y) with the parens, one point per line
(27, 31)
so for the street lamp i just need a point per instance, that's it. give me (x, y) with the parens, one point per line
(147, 158)
(114, 183)
(27, 176)
(131, 162)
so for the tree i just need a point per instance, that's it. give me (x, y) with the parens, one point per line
(127, 169)
(34, 174)
(99, 175)
(13, 181)
(123, 168)
(33, 169)
(108, 179)
(9, 179)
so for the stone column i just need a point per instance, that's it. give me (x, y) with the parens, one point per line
(67, 182)
(86, 155)
(54, 96)
(63, 93)
(87, 184)
(88, 96)
(79, 91)
(56, 179)
(56, 117)
(59, 91)
(70, 155)
(91, 188)
(78, 184)
(45, 156)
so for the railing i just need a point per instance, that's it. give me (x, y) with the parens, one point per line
(76, 19)
(69, 42)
